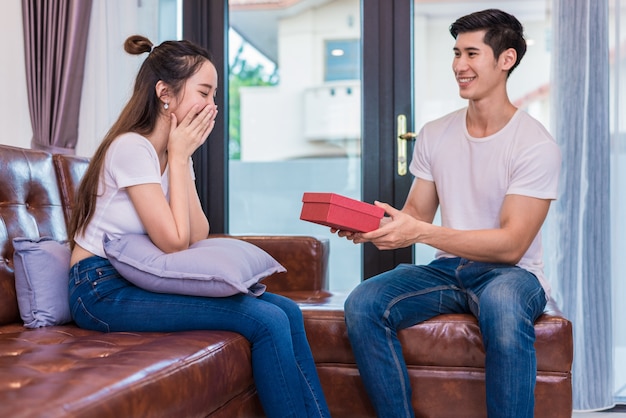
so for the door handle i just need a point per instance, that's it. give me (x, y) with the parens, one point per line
(403, 137)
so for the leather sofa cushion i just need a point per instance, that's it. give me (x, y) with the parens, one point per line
(444, 341)
(64, 370)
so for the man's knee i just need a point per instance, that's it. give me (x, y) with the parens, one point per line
(362, 305)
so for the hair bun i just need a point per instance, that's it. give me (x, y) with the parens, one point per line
(137, 44)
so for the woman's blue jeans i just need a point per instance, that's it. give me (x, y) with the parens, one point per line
(282, 364)
(505, 299)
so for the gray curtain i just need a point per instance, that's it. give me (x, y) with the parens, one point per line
(582, 211)
(55, 42)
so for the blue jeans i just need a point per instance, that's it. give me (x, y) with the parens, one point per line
(282, 364)
(505, 299)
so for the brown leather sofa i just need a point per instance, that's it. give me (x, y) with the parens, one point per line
(66, 371)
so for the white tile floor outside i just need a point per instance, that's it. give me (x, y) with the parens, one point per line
(620, 411)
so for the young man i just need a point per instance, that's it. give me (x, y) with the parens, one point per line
(492, 170)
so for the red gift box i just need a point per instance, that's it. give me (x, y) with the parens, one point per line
(340, 212)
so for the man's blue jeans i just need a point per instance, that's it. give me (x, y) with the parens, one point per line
(282, 364)
(506, 300)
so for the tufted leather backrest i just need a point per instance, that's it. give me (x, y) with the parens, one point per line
(30, 206)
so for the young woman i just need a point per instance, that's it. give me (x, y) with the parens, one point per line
(140, 180)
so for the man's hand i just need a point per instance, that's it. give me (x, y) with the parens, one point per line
(398, 230)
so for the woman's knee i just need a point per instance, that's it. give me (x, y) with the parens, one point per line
(271, 322)
(288, 306)
(277, 317)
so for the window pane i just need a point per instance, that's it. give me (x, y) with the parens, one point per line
(295, 122)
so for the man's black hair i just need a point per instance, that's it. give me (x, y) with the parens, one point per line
(502, 31)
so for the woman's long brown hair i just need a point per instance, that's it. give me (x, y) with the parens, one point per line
(173, 62)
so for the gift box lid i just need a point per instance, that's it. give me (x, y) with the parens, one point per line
(343, 201)
(340, 212)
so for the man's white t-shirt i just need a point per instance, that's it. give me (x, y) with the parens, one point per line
(130, 160)
(473, 175)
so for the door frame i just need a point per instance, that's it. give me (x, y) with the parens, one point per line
(387, 89)
(206, 24)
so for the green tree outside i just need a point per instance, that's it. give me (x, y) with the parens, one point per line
(242, 74)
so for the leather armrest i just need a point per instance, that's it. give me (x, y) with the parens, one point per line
(304, 257)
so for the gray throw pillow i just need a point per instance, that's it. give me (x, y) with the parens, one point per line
(42, 269)
(214, 267)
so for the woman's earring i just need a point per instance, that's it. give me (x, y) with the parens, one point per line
(166, 105)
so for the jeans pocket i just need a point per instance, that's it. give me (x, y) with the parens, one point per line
(85, 319)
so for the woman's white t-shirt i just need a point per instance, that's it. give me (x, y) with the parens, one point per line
(130, 160)
(473, 175)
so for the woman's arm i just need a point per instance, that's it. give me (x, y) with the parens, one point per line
(170, 224)
(199, 223)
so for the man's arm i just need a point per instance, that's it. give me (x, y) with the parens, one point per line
(521, 218)
(421, 203)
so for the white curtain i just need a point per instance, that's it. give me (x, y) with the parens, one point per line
(582, 257)
(617, 40)
(109, 71)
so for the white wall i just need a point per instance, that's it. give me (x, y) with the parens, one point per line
(14, 116)
(109, 71)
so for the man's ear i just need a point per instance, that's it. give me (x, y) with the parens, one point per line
(508, 58)
(162, 91)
